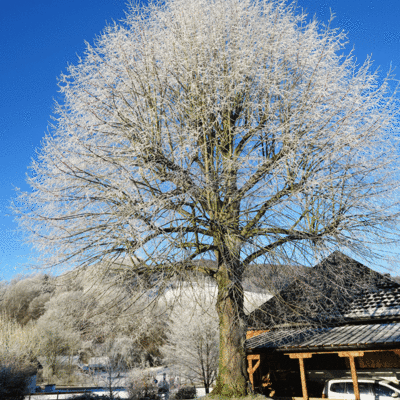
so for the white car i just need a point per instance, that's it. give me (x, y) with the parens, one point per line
(370, 389)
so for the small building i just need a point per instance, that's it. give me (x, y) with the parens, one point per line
(62, 361)
(99, 364)
(338, 319)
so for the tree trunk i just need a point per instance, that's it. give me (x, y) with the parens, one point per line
(232, 373)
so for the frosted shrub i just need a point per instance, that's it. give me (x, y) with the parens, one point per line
(188, 392)
(14, 378)
(143, 387)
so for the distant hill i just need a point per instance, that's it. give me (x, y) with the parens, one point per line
(206, 293)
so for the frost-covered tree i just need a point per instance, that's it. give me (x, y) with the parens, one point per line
(192, 338)
(227, 129)
(24, 297)
(56, 340)
(19, 349)
(18, 342)
(193, 346)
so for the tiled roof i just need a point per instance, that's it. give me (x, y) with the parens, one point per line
(279, 338)
(362, 315)
(339, 336)
(382, 303)
(336, 289)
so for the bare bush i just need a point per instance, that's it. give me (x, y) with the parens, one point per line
(15, 376)
(143, 387)
(187, 392)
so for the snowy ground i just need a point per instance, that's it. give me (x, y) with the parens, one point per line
(120, 394)
(101, 378)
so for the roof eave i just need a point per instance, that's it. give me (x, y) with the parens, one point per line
(327, 349)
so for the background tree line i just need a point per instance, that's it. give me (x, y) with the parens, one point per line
(75, 315)
(91, 315)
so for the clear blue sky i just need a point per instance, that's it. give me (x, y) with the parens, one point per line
(39, 38)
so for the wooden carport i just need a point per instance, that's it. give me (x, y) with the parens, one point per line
(346, 341)
(350, 355)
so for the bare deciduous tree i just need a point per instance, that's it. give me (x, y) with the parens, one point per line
(23, 298)
(17, 341)
(55, 341)
(193, 346)
(19, 349)
(225, 129)
(193, 335)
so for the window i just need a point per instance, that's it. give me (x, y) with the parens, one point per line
(381, 390)
(363, 387)
(337, 387)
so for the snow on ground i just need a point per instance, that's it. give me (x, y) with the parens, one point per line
(137, 373)
(200, 392)
(121, 394)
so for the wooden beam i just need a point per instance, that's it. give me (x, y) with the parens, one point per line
(354, 378)
(360, 352)
(253, 332)
(252, 369)
(303, 378)
(299, 355)
(351, 355)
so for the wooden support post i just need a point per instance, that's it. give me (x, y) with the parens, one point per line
(354, 377)
(351, 355)
(252, 369)
(301, 357)
(303, 379)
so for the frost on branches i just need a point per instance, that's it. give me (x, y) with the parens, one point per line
(191, 348)
(231, 130)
